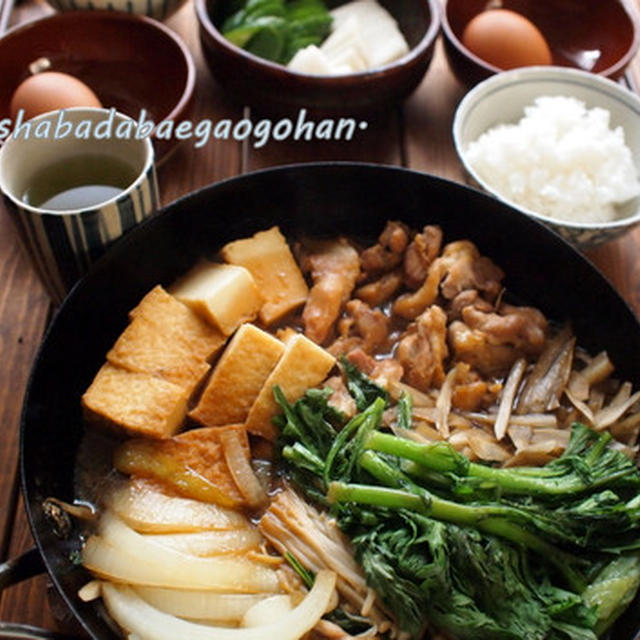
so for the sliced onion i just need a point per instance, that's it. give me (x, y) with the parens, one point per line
(148, 510)
(210, 543)
(243, 475)
(138, 617)
(200, 605)
(267, 611)
(123, 555)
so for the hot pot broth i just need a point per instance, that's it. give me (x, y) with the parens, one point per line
(434, 354)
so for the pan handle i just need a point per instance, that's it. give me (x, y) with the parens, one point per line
(26, 566)
(23, 567)
(26, 632)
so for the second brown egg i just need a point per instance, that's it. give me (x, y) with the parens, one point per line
(506, 40)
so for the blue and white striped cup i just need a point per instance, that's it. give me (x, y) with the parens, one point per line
(62, 244)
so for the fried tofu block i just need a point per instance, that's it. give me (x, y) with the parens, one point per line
(268, 257)
(226, 295)
(178, 322)
(192, 464)
(144, 347)
(238, 377)
(303, 365)
(138, 403)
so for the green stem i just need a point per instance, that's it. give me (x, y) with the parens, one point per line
(422, 474)
(597, 448)
(340, 492)
(299, 455)
(437, 456)
(441, 457)
(368, 420)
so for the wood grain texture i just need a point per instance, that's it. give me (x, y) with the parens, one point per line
(23, 311)
(428, 116)
(189, 168)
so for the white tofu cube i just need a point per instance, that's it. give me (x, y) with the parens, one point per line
(224, 294)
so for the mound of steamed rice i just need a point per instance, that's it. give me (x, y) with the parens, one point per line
(561, 160)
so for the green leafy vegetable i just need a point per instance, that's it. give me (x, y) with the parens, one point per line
(275, 29)
(544, 553)
(361, 387)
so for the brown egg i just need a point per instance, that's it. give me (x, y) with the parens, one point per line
(506, 40)
(48, 91)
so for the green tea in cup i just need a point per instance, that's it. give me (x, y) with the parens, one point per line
(79, 182)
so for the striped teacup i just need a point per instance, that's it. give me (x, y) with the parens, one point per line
(62, 244)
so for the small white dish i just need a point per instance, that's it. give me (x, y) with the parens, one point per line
(502, 98)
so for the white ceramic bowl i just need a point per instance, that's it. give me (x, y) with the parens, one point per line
(502, 99)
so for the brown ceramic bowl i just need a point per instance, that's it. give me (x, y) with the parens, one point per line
(271, 86)
(600, 36)
(131, 62)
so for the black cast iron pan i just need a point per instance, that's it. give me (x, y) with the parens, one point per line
(352, 199)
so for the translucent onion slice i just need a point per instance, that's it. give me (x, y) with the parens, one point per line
(267, 611)
(139, 618)
(200, 605)
(243, 475)
(123, 555)
(210, 543)
(148, 510)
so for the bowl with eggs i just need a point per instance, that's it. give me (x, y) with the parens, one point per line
(95, 59)
(335, 55)
(561, 145)
(482, 38)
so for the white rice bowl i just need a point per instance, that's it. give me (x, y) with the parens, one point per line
(560, 160)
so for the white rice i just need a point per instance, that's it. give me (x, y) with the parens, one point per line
(561, 160)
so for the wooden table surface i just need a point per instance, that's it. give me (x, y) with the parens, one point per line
(417, 135)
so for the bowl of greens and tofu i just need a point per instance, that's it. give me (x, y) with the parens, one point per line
(329, 55)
